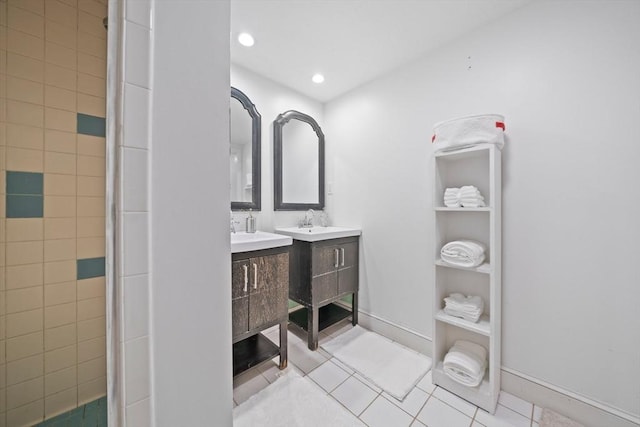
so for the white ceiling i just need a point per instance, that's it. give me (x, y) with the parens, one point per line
(349, 41)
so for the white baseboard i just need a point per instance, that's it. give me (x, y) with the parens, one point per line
(579, 408)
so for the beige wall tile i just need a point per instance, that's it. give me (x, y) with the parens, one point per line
(62, 402)
(92, 45)
(24, 299)
(60, 55)
(19, 253)
(25, 90)
(35, 6)
(73, 3)
(92, 65)
(23, 113)
(60, 34)
(59, 315)
(91, 24)
(59, 76)
(2, 287)
(25, 369)
(91, 85)
(25, 136)
(91, 145)
(93, 186)
(61, 13)
(3, 352)
(91, 227)
(91, 349)
(23, 323)
(59, 185)
(61, 358)
(92, 370)
(59, 293)
(94, 389)
(91, 308)
(61, 142)
(91, 206)
(24, 346)
(91, 166)
(62, 99)
(3, 336)
(90, 247)
(59, 250)
(92, 328)
(24, 276)
(60, 271)
(59, 228)
(60, 120)
(26, 392)
(24, 229)
(62, 336)
(60, 380)
(59, 206)
(19, 159)
(92, 105)
(25, 67)
(25, 21)
(93, 7)
(59, 163)
(25, 44)
(27, 415)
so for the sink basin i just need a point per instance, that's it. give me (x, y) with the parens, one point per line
(315, 234)
(245, 242)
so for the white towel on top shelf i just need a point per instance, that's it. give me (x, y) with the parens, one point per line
(466, 363)
(467, 307)
(463, 253)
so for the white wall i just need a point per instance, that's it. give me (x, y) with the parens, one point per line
(190, 259)
(271, 99)
(565, 75)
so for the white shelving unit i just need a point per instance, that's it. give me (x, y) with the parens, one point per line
(480, 166)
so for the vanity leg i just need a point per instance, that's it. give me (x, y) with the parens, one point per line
(312, 328)
(354, 309)
(283, 345)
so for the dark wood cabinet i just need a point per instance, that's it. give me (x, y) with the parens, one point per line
(259, 292)
(322, 273)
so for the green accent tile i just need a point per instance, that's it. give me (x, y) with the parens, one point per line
(348, 299)
(92, 125)
(25, 183)
(90, 267)
(292, 304)
(90, 417)
(19, 206)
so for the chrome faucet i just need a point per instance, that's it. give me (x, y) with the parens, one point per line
(307, 222)
(233, 223)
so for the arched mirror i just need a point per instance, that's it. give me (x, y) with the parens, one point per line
(244, 152)
(298, 162)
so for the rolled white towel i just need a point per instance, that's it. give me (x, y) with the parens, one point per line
(466, 363)
(463, 253)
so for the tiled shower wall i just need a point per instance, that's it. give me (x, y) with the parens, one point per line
(52, 190)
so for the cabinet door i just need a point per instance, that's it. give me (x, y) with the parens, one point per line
(348, 269)
(324, 282)
(239, 297)
(269, 290)
(324, 259)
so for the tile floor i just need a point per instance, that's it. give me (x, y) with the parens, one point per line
(426, 405)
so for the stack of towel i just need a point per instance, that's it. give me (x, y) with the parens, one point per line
(463, 253)
(467, 196)
(467, 307)
(465, 363)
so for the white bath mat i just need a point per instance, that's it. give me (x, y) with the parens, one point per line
(550, 418)
(293, 401)
(389, 365)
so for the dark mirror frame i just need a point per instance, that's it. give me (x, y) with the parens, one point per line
(278, 124)
(256, 123)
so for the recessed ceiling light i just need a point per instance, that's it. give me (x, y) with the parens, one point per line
(245, 39)
(317, 78)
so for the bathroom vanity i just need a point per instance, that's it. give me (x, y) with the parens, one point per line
(259, 293)
(323, 271)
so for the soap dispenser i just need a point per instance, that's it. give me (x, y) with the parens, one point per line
(251, 223)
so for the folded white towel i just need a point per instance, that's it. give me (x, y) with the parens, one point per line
(466, 196)
(466, 307)
(463, 253)
(466, 363)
